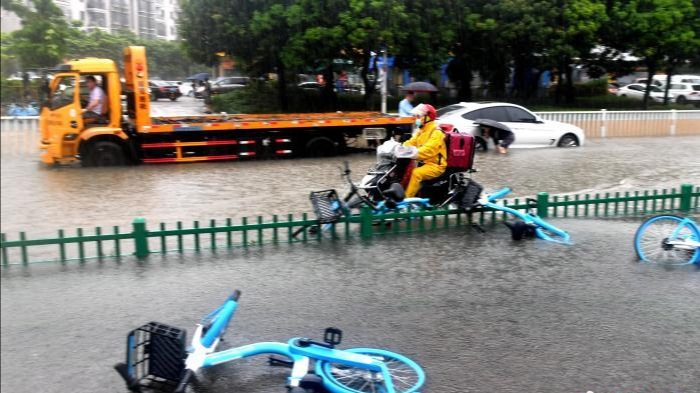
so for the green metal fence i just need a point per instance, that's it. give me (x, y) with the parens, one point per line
(142, 241)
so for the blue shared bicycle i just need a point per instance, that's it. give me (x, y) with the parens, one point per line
(158, 358)
(530, 224)
(669, 240)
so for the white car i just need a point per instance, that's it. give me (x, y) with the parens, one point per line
(636, 91)
(685, 93)
(530, 130)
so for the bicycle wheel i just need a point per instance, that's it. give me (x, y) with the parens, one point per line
(406, 375)
(652, 241)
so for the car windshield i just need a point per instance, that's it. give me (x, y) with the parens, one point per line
(448, 109)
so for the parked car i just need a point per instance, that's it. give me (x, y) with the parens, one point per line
(636, 91)
(310, 85)
(163, 89)
(685, 93)
(660, 80)
(530, 130)
(226, 84)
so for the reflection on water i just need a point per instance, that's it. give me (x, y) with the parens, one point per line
(42, 199)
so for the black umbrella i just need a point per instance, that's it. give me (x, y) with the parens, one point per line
(420, 87)
(198, 77)
(492, 124)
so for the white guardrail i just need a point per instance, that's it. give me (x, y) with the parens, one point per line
(20, 134)
(605, 124)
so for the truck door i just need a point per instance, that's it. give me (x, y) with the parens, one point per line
(65, 120)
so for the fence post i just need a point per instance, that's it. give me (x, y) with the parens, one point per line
(686, 196)
(366, 222)
(674, 118)
(603, 122)
(542, 204)
(140, 237)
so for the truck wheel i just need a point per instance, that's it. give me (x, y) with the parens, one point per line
(321, 146)
(105, 153)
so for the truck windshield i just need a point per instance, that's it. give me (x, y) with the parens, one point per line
(64, 91)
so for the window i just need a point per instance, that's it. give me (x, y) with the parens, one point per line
(696, 87)
(497, 113)
(519, 115)
(678, 87)
(656, 89)
(448, 109)
(636, 87)
(473, 115)
(64, 93)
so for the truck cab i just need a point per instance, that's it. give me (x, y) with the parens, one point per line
(67, 135)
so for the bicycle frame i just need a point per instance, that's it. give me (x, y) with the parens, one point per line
(686, 243)
(300, 351)
(529, 218)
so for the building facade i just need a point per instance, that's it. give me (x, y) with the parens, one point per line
(147, 18)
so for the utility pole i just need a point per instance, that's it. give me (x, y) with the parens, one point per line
(385, 74)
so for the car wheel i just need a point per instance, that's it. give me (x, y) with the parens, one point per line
(568, 140)
(681, 100)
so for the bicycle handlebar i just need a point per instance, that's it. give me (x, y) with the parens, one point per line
(235, 295)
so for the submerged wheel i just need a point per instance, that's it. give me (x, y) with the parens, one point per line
(321, 146)
(652, 241)
(105, 153)
(406, 375)
(568, 140)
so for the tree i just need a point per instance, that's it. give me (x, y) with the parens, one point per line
(372, 26)
(41, 42)
(577, 23)
(654, 30)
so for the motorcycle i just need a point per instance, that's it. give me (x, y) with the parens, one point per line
(395, 164)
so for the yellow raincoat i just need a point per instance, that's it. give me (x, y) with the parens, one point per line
(431, 152)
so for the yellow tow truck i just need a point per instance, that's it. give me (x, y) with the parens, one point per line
(134, 136)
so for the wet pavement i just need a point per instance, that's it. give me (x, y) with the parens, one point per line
(479, 312)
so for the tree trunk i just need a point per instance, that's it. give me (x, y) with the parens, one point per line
(281, 85)
(330, 100)
(651, 70)
(669, 72)
(569, 91)
(369, 86)
(560, 83)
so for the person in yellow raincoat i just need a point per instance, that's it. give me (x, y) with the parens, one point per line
(432, 153)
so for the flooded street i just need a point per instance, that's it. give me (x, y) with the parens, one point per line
(479, 312)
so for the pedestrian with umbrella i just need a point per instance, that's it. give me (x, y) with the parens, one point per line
(501, 134)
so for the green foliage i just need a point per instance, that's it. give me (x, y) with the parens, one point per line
(41, 42)
(261, 98)
(594, 88)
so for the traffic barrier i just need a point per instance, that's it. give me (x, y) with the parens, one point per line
(142, 241)
(609, 124)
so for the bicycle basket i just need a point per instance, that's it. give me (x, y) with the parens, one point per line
(155, 356)
(325, 204)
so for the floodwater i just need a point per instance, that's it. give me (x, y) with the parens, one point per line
(479, 312)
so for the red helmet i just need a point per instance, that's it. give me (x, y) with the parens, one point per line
(426, 110)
